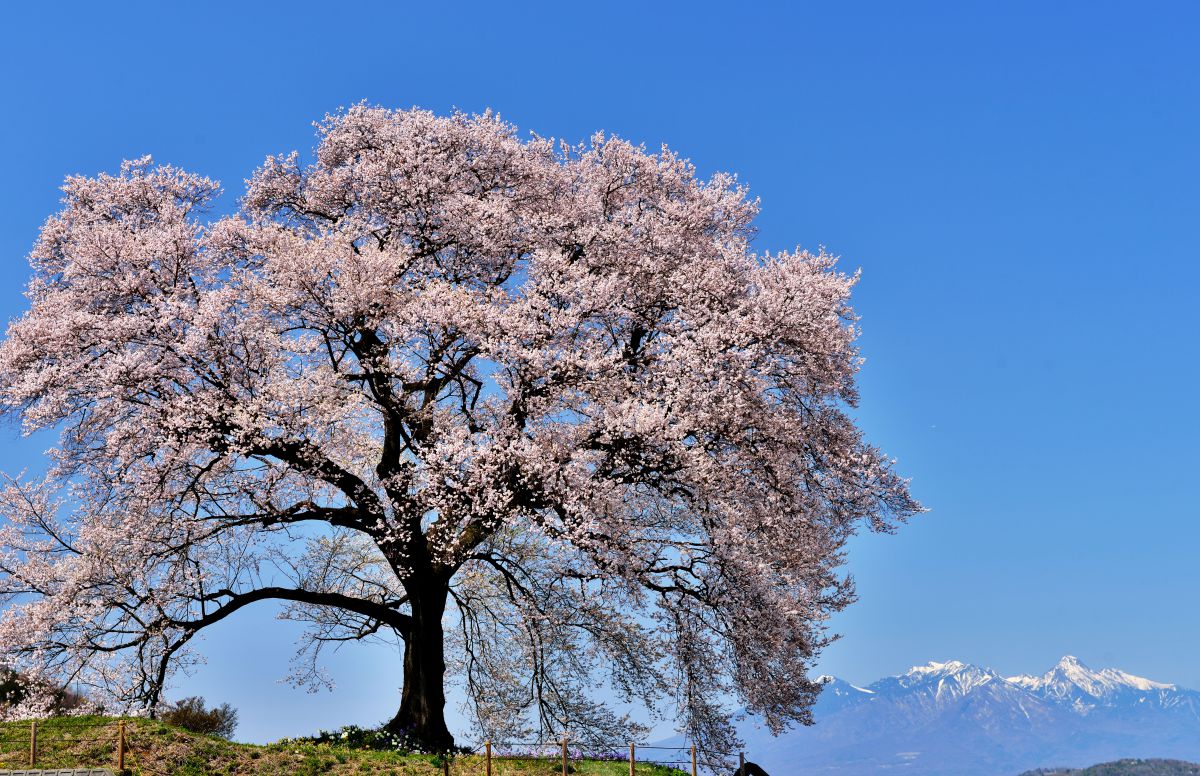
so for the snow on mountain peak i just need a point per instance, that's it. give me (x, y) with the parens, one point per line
(1070, 678)
(935, 668)
(950, 679)
(1138, 682)
(840, 686)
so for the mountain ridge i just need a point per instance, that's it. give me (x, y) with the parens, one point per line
(955, 718)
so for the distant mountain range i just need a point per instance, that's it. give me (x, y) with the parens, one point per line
(957, 719)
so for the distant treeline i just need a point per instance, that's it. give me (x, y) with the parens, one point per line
(1125, 768)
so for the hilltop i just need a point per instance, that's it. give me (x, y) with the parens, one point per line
(158, 749)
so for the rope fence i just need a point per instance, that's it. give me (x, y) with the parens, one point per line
(66, 743)
(684, 758)
(63, 743)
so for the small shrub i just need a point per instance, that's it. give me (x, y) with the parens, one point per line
(377, 739)
(190, 714)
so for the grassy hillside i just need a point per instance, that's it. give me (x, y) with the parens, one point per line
(157, 749)
(1126, 768)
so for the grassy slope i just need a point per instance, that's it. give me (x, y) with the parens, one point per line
(156, 749)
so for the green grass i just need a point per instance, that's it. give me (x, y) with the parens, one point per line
(157, 749)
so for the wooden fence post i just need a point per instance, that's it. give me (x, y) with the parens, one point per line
(741, 764)
(564, 755)
(487, 749)
(631, 756)
(693, 760)
(32, 742)
(121, 746)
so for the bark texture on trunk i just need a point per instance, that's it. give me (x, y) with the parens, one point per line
(422, 714)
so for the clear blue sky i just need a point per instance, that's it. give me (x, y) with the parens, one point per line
(1019, 182)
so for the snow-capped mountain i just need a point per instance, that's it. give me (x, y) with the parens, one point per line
(961, 719)
(1070, 681)
(946, 681)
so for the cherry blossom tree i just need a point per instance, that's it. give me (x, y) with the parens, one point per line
(535, 412)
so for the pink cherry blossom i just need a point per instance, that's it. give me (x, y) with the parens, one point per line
(537, 411)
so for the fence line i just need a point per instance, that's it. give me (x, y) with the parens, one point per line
(108, 742)
(711, 758)
(39, 737)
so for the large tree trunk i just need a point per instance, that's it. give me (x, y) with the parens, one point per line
(422, 715)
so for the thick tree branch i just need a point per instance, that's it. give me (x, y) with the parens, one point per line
(386, 613)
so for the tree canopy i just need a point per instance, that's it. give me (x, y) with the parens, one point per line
(536, 411)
